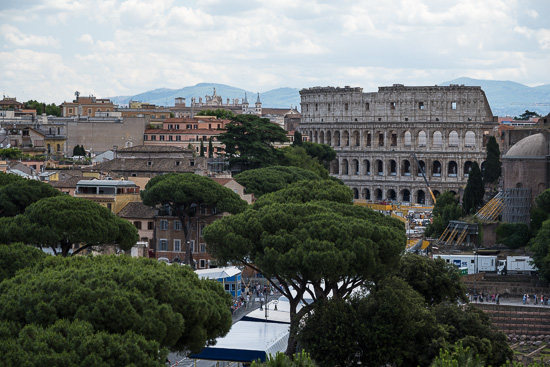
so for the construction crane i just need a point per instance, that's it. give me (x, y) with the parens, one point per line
(424, 177)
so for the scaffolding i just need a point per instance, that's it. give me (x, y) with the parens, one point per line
(517, 204)
(492, 209)
(457, 232)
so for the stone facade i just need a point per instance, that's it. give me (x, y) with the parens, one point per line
(377, 135)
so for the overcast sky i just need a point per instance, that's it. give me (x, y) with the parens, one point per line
(51, 48)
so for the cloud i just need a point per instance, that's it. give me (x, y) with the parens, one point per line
(19, 39)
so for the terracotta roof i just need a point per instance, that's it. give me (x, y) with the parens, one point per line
(222, 180)
(137, 210)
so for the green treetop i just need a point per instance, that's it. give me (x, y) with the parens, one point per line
(492, 169)
(474, 191)
(184, 193)
(249, 141)
(65, 221)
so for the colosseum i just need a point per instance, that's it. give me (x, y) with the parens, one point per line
(385, 139)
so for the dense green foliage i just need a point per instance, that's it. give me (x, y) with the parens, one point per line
(297, 156)
(324, 153)
(333, 246)
(18, 195)
(78, 150)
(513, 235)
(64, 221)
(184, 193)
(48, 109)
(7, 178)
(492, 168)
(75, 344)
(457, 356)
(402, 321)
(249, 142)
(540, 245)
(298, 139)
(109, 306)
(282, 360)
(210, 148)
(11, 153)
(305, 191)
(471, 326)
(434, 279)
(474, 191)
(218, 113)
(16, 257)
(261, 181)
(445, 209)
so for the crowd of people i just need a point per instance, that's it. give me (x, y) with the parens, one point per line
(249, 292)
(494, 298)
(543, 299)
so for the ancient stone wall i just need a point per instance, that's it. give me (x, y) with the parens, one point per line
(376, 136)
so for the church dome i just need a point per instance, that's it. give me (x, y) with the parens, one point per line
(531, 146)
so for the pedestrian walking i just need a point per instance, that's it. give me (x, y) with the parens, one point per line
(535, 298)
(524, 298)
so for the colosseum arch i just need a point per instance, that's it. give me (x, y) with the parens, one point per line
(453, 139)
(329, 139)
(436, 169)
(366, 194)
(355, 167)
(367, 139)
(336, 138)
(406, 195)
(467, 168)
(391, 195)
(379, 167)
(380, 140)
(355, 193)
(393, 167)
(436, 193)
(421, 167)
(422, 138)
(452, 169)
(345, 167)
(393, 138)
(405, 168)
(407, 139)
(345, 138)
(316, 136)
(356, 141)
(378, 195)
(420, 197)
(470, 139)
(366, 167)
(437, 139)
(334, 167)
(322, 137)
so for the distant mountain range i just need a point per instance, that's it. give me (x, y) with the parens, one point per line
(505, 98)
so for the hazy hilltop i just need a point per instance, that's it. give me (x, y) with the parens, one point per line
(276, 98)
(506, 98)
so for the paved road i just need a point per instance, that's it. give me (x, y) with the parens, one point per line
(516, 301)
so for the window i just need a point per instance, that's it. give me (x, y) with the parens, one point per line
(202, 263)
(346, 106)
(150, 225)
(203, 247)
(202, 225)
(203, 209)
(393, 105)
(89, 111)
(170, 126)
(177, 225)
(163, 244)
(170, 137)
(421, 106)
(178, 138)
(137, 223)
(367, 106)
(177, 245)
(145, 137)
(163, 224)
(188, 126)
(149, 163)
(178, 163)
(192, 245)
(153, 137)
(70, 110)
(191, 163)
(162, 137)
(453, 105)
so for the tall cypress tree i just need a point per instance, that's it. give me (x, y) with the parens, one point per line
(474, 192)
(210, 148)
(202, 148)
(492, 169)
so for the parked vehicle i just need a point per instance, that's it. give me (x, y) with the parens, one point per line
(489, 263)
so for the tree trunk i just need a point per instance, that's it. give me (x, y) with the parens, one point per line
(292, 345)
(186, 226)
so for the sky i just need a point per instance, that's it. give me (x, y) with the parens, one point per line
(51, 48)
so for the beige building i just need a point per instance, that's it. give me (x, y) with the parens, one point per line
(112, 194)
(86, 106)
(378, 135)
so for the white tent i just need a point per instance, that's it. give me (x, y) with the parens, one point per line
(218, 273)
(247, 341)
